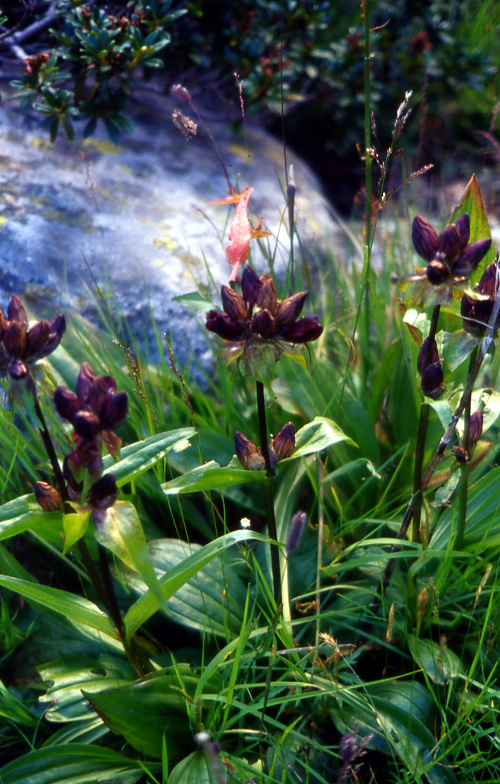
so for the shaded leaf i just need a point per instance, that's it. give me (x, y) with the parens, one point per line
(119, 529)
(213, 600)
(73, 763)
(147, 605)
(75, 608)
(150, 710)
(438, 662)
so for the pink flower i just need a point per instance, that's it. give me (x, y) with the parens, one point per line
(240, 234)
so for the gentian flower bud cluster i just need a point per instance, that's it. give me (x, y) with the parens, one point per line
(94, 412)
(449, 255)
(280, 447)
(21, 345)
(258, 326)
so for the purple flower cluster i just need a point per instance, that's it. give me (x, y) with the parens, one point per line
(20, 345)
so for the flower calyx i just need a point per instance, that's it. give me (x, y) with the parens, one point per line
(22, 345)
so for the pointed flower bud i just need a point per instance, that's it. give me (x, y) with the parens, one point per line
(427, 355)
(475, 427)
(289, 310)
(266, 297)
(303, 330)
(250, 286)
(263, 324)
(432, 381)
(47, 497)
(295, 532)
(234, 306)
(284, 443)
(424, 238)
(248, 453)
(103, 493)
(181, 92)
(223, 325)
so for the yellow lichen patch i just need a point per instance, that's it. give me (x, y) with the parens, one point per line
(165, 242)
(41, 144)
(103, 146)
(240, 150)
(3, 220)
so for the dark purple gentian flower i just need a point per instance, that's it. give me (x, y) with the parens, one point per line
(21, 345)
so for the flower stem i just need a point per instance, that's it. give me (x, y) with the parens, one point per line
(420, 445)
(464, 469)
(270, 474)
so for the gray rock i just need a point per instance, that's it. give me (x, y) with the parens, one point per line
(136, 217)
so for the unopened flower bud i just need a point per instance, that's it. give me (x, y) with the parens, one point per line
(427, 355)
(475, 427)
(14, 339)
(250, 285)
(37, 338)
(424, 238)
(267, 298)
(295, 532)
(284, 443)
(437, 272)
(303, 330)
(263, 324)
(114, 411)
(86, 424)
(16, 311)
(103, 493)
(234, 306)
(248, 453)
(476, 314)
(288, 310)
(66, 403)
(490, 280)
(432, 381)
(462, 225)
(222, 325)
(449, 243)
(471, 256)
(47, 497)
(17, 370)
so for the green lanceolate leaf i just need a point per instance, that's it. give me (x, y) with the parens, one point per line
(483, 510)
(320, 434)
(67, 677)
(213, 600)
(24, 513)
(119, 529)
(75, 608)
(137, 458)
(149, 710)
(211, 476)
(73, 763)
(195, 303)
(472, 203)
(170, 583)
(437, 661)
